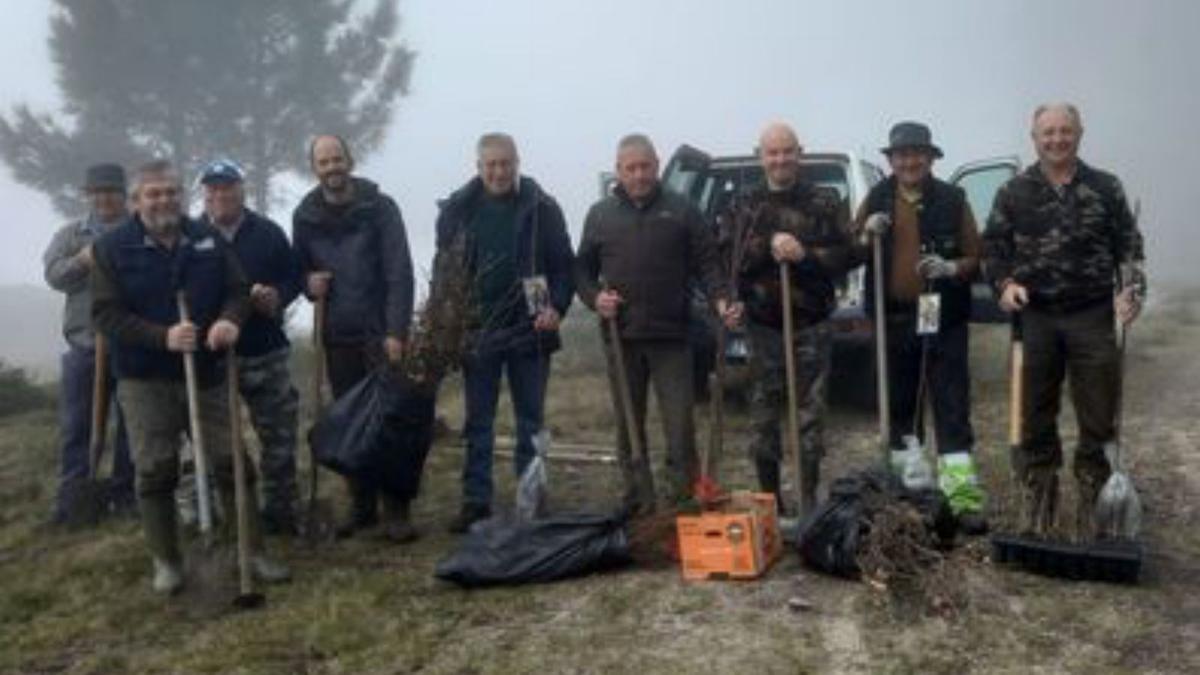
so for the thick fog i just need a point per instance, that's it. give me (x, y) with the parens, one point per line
(568, 78)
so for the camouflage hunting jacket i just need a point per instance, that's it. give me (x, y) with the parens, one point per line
(816, 216)
(1069, 245)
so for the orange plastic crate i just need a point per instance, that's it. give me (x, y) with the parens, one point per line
(738, 538)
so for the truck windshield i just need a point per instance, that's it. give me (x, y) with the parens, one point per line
(714, 192)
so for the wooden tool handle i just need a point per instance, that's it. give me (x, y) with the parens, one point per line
(196, 430)
(99, 430)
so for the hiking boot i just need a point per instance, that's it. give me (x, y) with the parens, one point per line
(168, 577)
(398, 528)
(269, 571)
(468, 516)
(769, 481)
(1040, 508)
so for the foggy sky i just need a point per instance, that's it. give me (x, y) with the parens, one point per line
(568, 78)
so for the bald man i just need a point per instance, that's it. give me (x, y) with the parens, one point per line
(1062, 248)
(353, 252)
(787, 221)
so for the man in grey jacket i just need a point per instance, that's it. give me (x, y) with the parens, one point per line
(68, 265)
(640, 247)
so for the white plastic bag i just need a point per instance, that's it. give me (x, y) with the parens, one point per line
(531, 489)
(1118, 508)
(911, 466)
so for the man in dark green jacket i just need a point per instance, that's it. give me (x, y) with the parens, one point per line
(640, 247)
(516, 247)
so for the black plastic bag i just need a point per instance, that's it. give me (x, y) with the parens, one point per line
(379, 432)
(829, 538)
(502, 552)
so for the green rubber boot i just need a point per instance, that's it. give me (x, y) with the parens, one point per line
(959, 481)
(158, 523)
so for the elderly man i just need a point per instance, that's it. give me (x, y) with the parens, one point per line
(353, 252)
(139, 268)
(640, 246)
(267, 260)
(789, 222)
(518, 252)
(68, 264)
(1063, 249)
(931, 254)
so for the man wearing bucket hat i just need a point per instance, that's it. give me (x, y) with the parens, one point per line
(1063, 248)
(68, 264)
(930, 255)
(263, 350)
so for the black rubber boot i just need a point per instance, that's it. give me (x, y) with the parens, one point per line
(1040, 511)
(769, 481)
(363, 513)
(810, 480)
(398, 527)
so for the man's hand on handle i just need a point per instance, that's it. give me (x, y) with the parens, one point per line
(607, 303)
(222, 335)
(318, 284)
(1014, 297)
(1127, 306)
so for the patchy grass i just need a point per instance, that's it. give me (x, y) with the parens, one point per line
(79, 602)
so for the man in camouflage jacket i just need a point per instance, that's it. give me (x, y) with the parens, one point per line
(1063, 249)
(794, 222)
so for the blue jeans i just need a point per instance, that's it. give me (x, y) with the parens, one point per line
(75, 429)
(527, 375)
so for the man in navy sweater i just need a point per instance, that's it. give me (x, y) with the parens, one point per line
(263, 351)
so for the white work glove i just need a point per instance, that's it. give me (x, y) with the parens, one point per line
(877, 224)
(933, 266)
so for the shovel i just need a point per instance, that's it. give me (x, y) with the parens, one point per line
(203, 496)
(90, 499)
(317, 520)
(805, 500)
(1118, 507)
(631, 431)
(881, 359)
(246, 598)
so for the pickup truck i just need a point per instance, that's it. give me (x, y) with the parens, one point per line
(712, 182)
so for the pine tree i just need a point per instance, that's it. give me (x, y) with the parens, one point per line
(194, 80)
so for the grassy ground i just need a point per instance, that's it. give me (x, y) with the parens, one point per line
(79, 602)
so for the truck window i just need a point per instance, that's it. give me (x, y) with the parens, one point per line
(981, 185)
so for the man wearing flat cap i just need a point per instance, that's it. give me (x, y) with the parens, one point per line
(263, 351)
(931, 252)
(68, 264)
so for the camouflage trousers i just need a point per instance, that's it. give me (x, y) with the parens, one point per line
(768, 393)
(265, 383)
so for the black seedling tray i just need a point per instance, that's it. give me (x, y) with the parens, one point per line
(1116, 561)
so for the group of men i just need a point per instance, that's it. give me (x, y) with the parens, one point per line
(1056, 238)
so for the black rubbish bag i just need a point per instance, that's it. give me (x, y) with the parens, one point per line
(379, 432)
(830, 537)
(503, 552)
